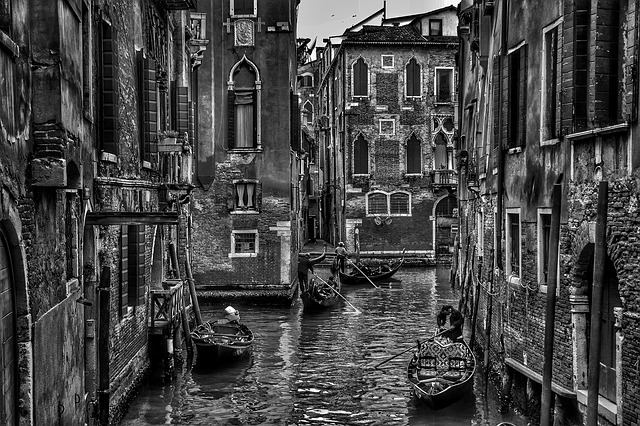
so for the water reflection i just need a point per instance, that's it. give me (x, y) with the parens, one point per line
(318, 369)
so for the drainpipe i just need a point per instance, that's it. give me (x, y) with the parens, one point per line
(550, 317)
(103, 346)
(599, 261)
(459, 146)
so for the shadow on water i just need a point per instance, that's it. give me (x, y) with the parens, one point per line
(318, 368)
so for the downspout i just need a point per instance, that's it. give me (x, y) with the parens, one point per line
(459, 147)
(103, 346)
(497, 260)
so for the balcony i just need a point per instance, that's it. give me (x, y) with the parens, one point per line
(175, 162)
(166, 306)
(445, 177)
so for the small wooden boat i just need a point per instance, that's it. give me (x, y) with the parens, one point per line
(217, 341)
(379, 274)
(320, 294)
(441, 371)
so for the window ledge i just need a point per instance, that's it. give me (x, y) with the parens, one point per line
(244, 16)
(361, 175)
(359, 97)
(414, 98)
(442, 103)
(516, 150)
(606, 408)
(550, 142)
(232, 255)
(108, 157)
(413, 175)
(244, 150)
(146, 165)
(241, 212)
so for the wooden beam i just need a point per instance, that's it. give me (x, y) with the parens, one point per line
(131, 218)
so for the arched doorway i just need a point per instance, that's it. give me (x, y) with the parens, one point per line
(8, 356)
(444, 213)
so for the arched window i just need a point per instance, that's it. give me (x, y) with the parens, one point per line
(360, 156)
(377, 203)
(399, 203)
(414, 155)
(413, 78)
(360, 78)
(440, 158)
(446, 206)
(243, 107)
(307, 111)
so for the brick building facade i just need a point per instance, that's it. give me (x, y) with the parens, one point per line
(549, 95)
(388, 100)
(246, 201)
(96, 147)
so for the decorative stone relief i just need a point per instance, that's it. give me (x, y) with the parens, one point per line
(244, 32)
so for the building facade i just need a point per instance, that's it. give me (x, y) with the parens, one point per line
(549, 98)
(388, 105)
(246, 201)
(91, 93)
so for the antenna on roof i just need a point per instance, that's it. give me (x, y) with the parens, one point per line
(384, 10)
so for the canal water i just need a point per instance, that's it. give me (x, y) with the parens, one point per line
(318, 369)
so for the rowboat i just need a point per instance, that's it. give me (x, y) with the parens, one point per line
(381, 273)
(441, 371)
(217, 341)
(320, 294)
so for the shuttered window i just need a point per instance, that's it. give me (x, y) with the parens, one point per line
(295, 121)
(109, 92)
(360, 78)
(181, 110)
(495, 83)
(551, 82)
(148, 104)
(361, 156)
(517, 98)
(136, 270)
(414, 155)
(124, 270)
(413, 78)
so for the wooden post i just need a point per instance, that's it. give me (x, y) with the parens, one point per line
(104, 292)
(463, 276)
(192, 292)
(467, 284)
(599, 262)
(550, 316)
(474, 317)
(183, 315)
(174, 260)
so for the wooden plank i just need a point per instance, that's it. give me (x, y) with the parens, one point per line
(132, 218)
(537, 377)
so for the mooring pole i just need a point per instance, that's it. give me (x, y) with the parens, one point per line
(599, 262)
(103, 346)
(192, 292)
(550, 317)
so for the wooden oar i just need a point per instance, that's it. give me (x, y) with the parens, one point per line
(365, 275)
(338, 293)
(412, 347)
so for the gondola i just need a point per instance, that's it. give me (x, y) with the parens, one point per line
(218, 342)
(379, 274)
(441, 371)
(318, 295)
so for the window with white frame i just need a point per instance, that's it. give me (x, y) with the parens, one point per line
(360, 78)
(388, 61)
(387, 127)
(245, 195)
(435, 27)
(444, 85)
(513, 243)
(244, 8)
(305, 80)
(380, 203)
(244, 243)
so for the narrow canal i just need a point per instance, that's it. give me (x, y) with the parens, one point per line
(319, 369)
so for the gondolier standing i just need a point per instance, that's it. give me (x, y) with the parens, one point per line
(341, 254)
(304, 266)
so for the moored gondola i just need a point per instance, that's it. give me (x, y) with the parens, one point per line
(366, 276)
(441, 371)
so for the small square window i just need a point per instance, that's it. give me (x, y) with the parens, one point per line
(435, 27)
(245, 196)
(244, 243)
(388, 127)
(387, 61)
(243, 8)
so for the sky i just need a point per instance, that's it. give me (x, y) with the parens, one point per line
(324, 18)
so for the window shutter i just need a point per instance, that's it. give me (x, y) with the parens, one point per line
(181, 109)
(231, 116)
(136, 264)
(124, 269)
(231, 196)
(522, 98)
(496, 100)
(192, 123)
(558, 83)
(141, 254)
(295, 123)
(504, 106)
(259, 196)
(109, 110)
(255, 117)
(149, 105)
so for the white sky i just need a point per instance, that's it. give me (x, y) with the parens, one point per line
(324, 18)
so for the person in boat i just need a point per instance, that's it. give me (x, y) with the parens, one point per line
(231, 316)
(456, 321)
(364, 268)
(341, 254)
(304, 266)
